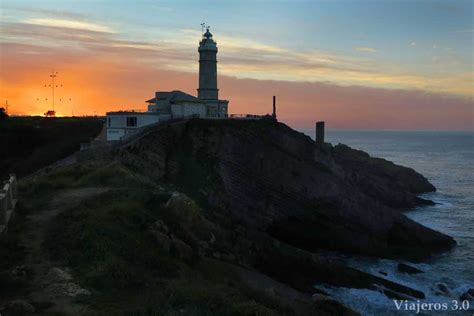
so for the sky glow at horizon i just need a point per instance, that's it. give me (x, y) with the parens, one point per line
(355, 64)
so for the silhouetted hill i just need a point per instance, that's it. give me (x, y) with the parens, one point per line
(30, 143)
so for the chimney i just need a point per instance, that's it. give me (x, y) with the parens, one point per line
(320, 132)
(274, 114)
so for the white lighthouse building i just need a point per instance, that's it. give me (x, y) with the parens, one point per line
(176, 104)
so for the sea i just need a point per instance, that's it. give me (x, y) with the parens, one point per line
(446, 159)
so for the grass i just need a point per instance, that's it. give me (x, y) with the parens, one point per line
(106, 242)
(99, 174)
(105, 239)
(208, 287)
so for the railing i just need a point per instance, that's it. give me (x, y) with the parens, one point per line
(249, 116)
(8, 199)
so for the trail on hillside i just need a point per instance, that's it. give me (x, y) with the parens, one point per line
(49, 283)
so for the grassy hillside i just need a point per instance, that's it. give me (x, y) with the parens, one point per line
(129, 248)
(30, 143)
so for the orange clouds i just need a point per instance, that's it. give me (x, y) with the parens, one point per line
(117, 78)
(175, 50)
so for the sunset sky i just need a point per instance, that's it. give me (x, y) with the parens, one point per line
(355, 64)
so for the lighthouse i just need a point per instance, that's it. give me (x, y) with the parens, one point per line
(207, 68)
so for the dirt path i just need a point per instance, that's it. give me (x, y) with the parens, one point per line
(52, 284)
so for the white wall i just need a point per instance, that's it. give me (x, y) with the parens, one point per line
(115, 133)
(223, 107)
(188, 109)
(143, 120)
(115, 121)
(165, 117)
(117, 124)
(120, 120)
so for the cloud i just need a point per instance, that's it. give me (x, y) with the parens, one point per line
(43, 12)
(70, 24)
(413, 44)
(301, 104)
(101, 83)
(243, 58)
(366, 49)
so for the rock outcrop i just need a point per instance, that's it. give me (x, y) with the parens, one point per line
(274, 179)
(468, 295)
(402, 267)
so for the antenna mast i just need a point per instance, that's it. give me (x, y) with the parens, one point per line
(53, 86)
(52, 75)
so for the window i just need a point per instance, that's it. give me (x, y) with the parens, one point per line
(132, 121)
(108, 121)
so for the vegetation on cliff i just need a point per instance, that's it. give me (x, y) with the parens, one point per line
(210, 218)
(133, 246)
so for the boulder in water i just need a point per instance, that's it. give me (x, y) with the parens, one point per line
(468, 295)
(402, 267)
(443, 289)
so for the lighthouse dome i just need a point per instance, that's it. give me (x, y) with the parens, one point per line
(208, 34)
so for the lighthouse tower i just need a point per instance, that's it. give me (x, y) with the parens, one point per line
(207, 68)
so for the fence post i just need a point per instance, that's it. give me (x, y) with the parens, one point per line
(8, 198)
(8, 193)
(14, 184)
(3, 207)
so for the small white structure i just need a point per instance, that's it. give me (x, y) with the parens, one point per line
(122, 124)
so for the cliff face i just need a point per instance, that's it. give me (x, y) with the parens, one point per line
(392, 185)
(210, 217)
(274, 179)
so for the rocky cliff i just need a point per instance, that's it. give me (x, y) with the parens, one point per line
(208, 217)
(274, 179)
